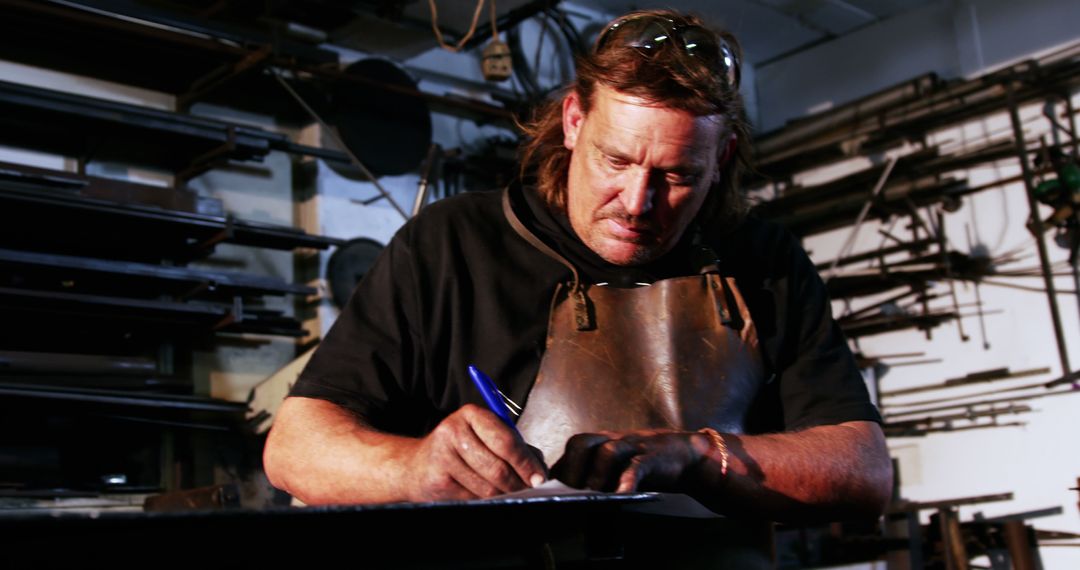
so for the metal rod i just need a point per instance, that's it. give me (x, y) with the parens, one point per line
(1017, 539)
(978, 294)
(862, 216)
(1010, 400)
(973, 378)
(943, 247)
(337, 140)
(425, 177)
(1039, 229)
(1072, 124)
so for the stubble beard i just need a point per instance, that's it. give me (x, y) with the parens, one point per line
(646, 246)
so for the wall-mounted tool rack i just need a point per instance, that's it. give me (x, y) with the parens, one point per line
(193, 58)
(914, 188)
(38, 214)
(89, 128)
(93, 271)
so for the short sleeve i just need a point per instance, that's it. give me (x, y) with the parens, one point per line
(819, 381)
(371, 357)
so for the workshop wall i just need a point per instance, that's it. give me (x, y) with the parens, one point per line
(336, 205)
(1037, 461)
(229, 368)
(950, 38)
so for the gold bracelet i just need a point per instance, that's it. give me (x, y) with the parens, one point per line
(718, 443)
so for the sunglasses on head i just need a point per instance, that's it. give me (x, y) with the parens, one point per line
(648, 33)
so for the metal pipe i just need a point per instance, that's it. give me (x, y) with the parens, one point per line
(1038, 228)
(862, 217)
(341, 144)
(1072, 126)
(424, 185)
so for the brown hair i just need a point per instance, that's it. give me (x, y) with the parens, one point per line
(668, 77)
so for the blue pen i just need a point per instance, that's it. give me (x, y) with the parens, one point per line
(491, 395)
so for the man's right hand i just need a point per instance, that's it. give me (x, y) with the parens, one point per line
(471, 454)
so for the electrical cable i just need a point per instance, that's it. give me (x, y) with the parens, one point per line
(469, 34)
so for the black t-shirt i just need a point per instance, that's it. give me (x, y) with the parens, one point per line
(457, 286)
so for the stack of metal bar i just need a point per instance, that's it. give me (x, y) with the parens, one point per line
(903, 176)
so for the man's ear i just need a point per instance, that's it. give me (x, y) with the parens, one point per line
(573, 117)
(730, 148)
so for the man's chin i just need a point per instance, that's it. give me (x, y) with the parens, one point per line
(625, 253)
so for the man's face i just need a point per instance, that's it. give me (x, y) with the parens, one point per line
(638, 174)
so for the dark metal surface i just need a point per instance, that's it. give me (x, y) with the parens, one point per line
(348, 265)
(121, 274)
(125, 399)
(169, 56)
(588, 531)
(80, 126)
(214, 497)
(41, 217)
(54, 308)
(167, 48)
(54, 363)
(180, 199)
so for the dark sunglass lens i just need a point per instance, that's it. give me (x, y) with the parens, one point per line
(730, 65)
(650, 37)
(701, 44)
(648, 34)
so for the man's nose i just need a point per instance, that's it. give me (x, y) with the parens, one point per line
(637, 193)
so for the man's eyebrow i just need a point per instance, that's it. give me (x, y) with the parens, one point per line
(690, 168)
(608, 151)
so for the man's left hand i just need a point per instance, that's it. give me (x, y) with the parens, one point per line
(628, 461)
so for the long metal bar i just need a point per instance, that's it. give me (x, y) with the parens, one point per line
(915, 506)
(919, 432)
(965, 396)
(989, 413)
(332, 132)
(1037, 226)
(238, 281)
(425, 179)
(1074, 256)
(1075, 136)
(973, 378)
(970, 405)
(862, 216)
(1017, 539)
(915, 245)
(179, 402)
(244, 232)
(55, 363)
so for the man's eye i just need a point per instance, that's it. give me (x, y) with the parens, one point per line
(617, 162)
(676, 179)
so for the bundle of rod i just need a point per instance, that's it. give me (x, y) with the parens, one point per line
(909, 111)
(918, 179)
(915, 272)
(884, 323)
(943, 414)
(980, 377)
(969, 420)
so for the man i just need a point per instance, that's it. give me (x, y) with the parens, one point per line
(724, 378)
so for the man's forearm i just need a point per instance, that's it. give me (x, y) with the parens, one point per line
(823, 473)
(321, 453)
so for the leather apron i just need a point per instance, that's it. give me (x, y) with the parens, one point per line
(681, 353)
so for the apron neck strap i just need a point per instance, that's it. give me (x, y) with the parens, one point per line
(577, 291)
(703, 257)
